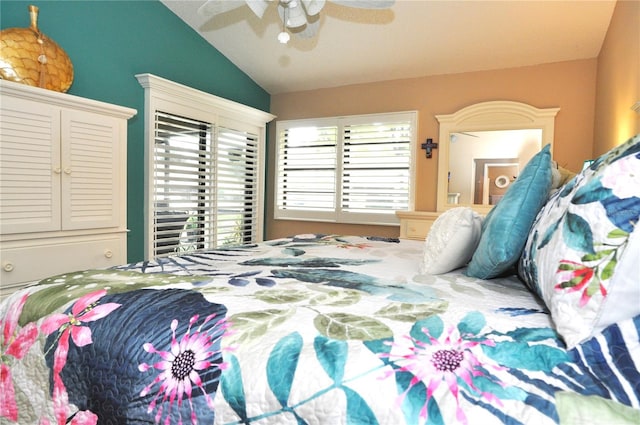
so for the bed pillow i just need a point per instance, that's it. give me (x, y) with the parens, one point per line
(451, 241)
(506, 227)
(583, 254)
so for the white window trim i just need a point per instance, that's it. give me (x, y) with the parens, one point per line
(175, 98)
(338, 216)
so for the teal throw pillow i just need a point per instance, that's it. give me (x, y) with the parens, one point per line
(506, 227)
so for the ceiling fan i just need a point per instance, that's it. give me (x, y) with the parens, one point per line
(302, 16)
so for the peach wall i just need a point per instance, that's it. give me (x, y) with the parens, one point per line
(567, 85)
(618, 79)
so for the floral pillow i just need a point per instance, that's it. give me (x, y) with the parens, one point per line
(582, 255)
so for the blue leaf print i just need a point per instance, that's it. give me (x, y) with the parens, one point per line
(531, 334)
(487, 385)
(433, 324)
(233, 389)
(472, 323)
(278, 242)
(358, 411)
(236, 281)
(521, 355)
(519, 311)
(623, 213)
(295, 252)
(332, 355)
(263, 281)
(548, 234)
(567, 188)
(590, 192)
(281, 366)
(249, 274)
(577, 233)
(415, 400)
(379, 346)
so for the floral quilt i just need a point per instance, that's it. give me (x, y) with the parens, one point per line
(312, 329)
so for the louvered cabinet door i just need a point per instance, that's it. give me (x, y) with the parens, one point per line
(91, 175)
(29, 166)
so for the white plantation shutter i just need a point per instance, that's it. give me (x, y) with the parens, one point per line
(307, 172)
(205, 166)
(354, 169)
(376, 168)
(237, 182)
(184, 172)
(205, 186)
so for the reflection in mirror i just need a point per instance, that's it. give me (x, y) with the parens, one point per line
(473, 169)
(483, 164)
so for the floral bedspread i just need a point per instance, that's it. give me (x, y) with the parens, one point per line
(312, 329)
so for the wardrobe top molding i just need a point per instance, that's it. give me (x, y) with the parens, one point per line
(63, 99)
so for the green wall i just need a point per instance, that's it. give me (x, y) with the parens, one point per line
(109, 42)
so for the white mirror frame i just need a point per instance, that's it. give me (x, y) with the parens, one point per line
(487, 116)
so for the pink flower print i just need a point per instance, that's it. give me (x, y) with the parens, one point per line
(15, 343)
(179, 368)
(440, 362)
(85, 309)
(623, 177)
(574, 277)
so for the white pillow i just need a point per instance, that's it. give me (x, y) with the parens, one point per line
(452, 240)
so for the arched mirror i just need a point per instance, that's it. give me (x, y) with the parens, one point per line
(483, 148)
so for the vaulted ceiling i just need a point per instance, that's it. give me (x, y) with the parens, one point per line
(414, 38)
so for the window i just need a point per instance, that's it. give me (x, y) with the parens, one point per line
(204, 187)
(355, 169)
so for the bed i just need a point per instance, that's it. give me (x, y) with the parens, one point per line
(335, 329)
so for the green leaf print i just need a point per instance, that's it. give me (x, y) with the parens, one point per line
(252, 325)
(404, 312)
(346, 326)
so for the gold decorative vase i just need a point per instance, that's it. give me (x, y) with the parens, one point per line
(28, 56)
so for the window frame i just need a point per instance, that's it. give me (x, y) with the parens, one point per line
(174, 98)
(338, 215)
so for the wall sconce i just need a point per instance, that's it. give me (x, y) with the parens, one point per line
(428, 146)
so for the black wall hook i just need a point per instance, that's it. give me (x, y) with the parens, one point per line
(428, 146)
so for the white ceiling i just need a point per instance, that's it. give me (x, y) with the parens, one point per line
(414, 38)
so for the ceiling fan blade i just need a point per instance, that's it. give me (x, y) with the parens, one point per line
(310, 30)
(366, 4)
(313, 7)
(258, 7)
(215, 7)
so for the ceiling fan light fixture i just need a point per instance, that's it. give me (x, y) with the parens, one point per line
(302, 16)
(284, 37)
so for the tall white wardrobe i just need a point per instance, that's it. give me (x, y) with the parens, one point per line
(63, 185)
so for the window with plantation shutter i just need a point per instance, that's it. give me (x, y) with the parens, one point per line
(355, 169)
(205, 162)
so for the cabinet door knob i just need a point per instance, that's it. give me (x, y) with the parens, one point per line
(108, 253)
(7, 267)
(57, 170)
(67, 170)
